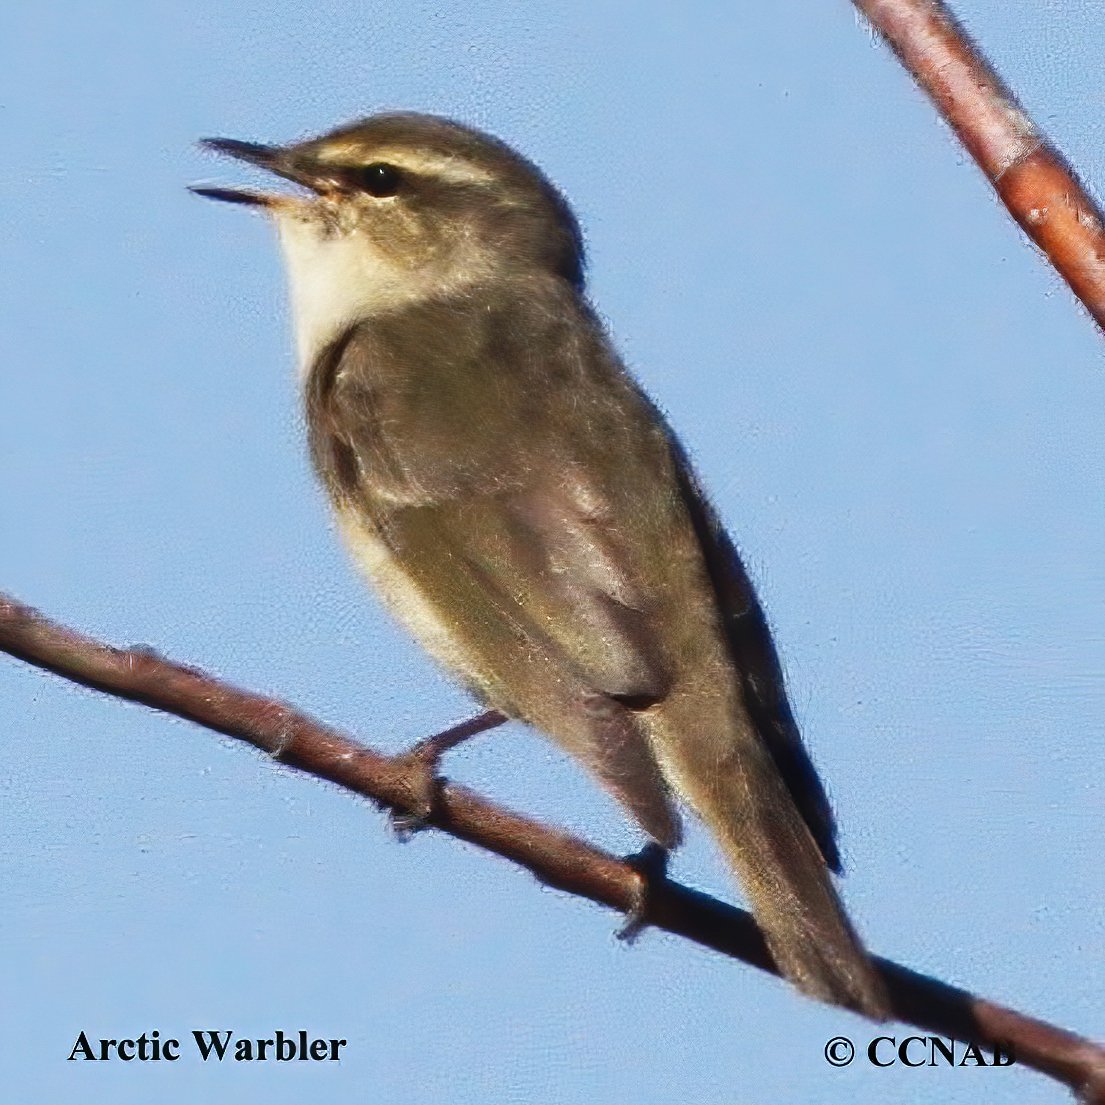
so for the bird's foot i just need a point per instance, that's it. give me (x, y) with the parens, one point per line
(423, 782)
(651, 865)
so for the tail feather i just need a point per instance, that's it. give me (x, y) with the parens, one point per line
(794, 901)
(735, 787)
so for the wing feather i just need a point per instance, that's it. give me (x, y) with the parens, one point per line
(533, 500)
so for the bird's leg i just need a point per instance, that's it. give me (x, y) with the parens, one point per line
(422, 761)
(651, 865)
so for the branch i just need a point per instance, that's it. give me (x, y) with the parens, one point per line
(556, 858)
(1029, 175)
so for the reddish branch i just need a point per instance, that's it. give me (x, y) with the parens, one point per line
(554, 857)
(1046, 198)
(1030, 175)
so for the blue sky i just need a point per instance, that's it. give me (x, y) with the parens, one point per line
(895, 404)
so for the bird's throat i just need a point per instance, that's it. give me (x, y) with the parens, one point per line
(337, 278)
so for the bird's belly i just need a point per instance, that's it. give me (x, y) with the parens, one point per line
(403, 598)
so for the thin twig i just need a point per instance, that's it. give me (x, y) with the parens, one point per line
(1030, 176)
(553, 856)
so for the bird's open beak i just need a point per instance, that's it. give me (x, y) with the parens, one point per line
(274, 159)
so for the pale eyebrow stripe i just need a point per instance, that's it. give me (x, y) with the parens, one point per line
(442, 166)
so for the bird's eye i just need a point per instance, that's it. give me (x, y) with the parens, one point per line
(379, 179)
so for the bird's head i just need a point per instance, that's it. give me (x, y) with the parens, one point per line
(402, 206)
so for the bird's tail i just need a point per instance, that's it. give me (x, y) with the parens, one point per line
(734, 785)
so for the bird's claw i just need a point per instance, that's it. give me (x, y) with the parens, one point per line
(651, 865)
(405, 824)
(422, 783)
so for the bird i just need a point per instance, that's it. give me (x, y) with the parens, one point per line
(525, 509)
